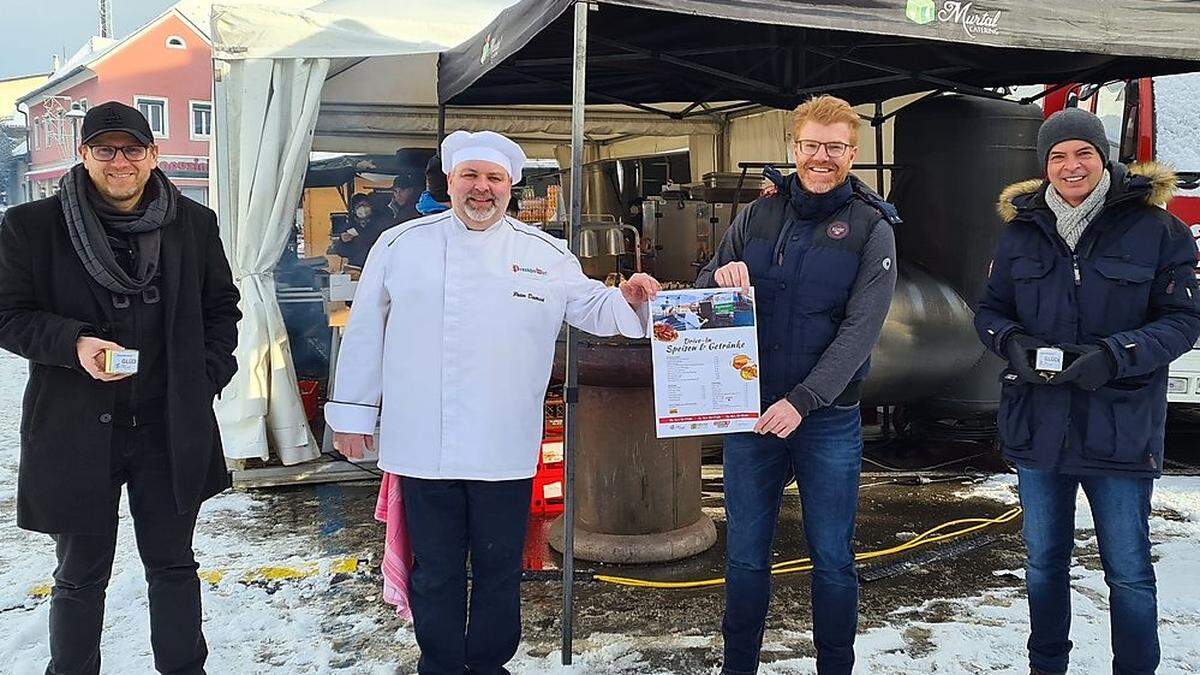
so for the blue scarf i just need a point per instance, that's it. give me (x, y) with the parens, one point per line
(427, 204)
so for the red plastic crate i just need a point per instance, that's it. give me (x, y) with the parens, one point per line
(547, 497)
(553, 412)
(309, 394)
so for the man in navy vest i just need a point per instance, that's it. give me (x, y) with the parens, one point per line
(820, 254)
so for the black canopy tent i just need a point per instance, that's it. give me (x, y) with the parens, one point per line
(778, 52)
(720, 56)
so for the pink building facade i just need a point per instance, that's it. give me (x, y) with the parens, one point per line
(164, 69)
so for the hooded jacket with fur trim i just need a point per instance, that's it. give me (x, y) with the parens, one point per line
(1129, 286)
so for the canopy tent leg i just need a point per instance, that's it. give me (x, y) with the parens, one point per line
(877, 122)
(571, 387)
(441, 124)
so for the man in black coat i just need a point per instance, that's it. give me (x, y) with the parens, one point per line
(118, 260)
(1090, 269)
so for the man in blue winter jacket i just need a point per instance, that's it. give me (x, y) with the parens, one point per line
(1090, 263)
(820, 253)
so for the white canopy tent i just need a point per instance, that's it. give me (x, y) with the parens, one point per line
(271, 64)
(348, 76)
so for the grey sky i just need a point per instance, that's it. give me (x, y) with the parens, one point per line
(30, 36)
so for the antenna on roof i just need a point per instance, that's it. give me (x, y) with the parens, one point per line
(106, 18)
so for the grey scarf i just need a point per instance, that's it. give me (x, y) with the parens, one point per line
(1073, 220)
(90, 221)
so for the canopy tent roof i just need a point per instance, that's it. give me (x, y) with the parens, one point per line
(381, 90)
(777, 53)
(343, 30)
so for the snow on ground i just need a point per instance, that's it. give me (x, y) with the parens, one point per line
(988, 633)
(294, 627)
(250, 629)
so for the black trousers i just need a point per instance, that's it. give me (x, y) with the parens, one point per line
(164, 541)
(449, 521)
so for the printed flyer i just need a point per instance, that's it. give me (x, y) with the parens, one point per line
(705, 351)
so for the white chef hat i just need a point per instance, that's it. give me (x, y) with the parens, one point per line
(489, 146)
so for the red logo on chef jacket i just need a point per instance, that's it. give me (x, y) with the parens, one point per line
(517, 269)
(838, 230)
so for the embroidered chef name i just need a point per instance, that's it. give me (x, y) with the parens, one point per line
(528, 296)
(706, 344)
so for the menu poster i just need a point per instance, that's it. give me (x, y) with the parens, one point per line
(705, 353)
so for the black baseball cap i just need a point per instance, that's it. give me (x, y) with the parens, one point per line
(409, 178)
(116, 116)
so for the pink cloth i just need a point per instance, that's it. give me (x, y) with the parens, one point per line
(397, 551)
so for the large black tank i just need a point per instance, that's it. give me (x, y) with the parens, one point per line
(957, 154)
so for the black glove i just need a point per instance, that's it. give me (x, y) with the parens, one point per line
(1017, 348)
(1093, 367)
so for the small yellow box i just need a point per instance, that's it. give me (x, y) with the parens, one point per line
(120, 361)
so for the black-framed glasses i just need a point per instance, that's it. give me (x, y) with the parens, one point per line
(832, 148)
(107, 153)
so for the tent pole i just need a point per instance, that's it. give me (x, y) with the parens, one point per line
(877, 122)
(220, 183)
(441, 128)
(571, 388)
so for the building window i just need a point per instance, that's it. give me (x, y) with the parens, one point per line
(201, 114)
(37, 134)
(176, 42)
(196, 194)
(155, 110)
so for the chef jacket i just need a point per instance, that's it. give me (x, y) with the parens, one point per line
(451, 340)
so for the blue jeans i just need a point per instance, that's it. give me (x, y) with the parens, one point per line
(447, 521)
(1121, 512)
(825, 455)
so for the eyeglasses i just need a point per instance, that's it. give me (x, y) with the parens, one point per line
(833, 148)
(107, 153)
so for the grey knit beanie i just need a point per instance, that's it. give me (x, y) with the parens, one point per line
(1071, 124)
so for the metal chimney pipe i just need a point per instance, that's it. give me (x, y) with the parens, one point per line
(106, 30)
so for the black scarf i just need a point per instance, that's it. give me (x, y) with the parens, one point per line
(90, 220)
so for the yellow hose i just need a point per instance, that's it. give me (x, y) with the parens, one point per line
(929, 536)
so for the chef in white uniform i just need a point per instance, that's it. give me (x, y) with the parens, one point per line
(449, 347)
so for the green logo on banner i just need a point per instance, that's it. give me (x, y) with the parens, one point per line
(921, 11)
(491, 47)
